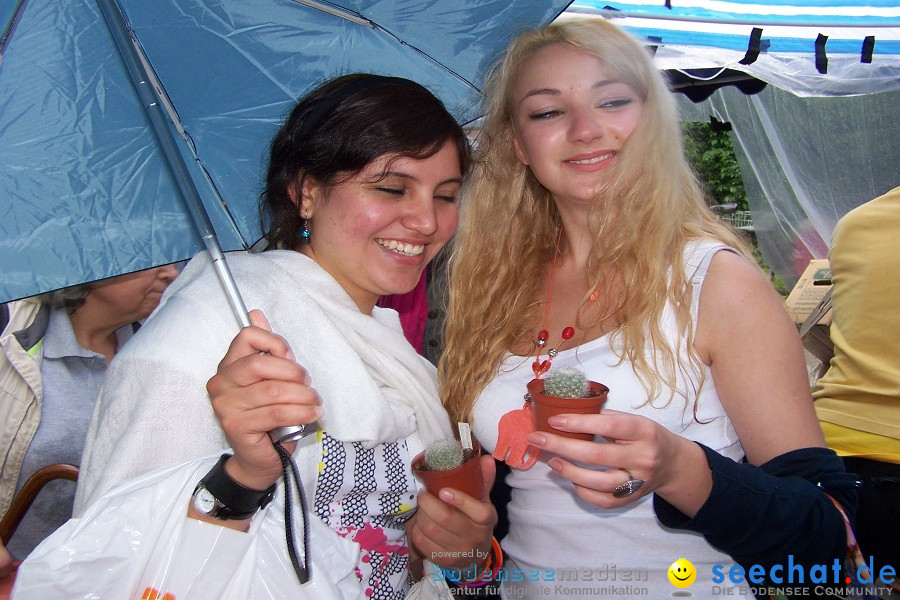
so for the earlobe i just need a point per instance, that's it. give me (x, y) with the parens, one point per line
(304, 198)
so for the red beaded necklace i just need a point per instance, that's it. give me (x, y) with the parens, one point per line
(542, 366)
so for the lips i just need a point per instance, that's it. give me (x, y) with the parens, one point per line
(590, 159)
(403, 248)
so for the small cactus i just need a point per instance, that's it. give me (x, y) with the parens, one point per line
(566, 382)
(443, 455)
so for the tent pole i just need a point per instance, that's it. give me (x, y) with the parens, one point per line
(611, 14)
(128, 50)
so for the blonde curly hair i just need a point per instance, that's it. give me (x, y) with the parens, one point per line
(509, 224)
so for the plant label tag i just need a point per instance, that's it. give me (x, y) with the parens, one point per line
(465, 435)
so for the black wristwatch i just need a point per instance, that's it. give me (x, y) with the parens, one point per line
(218, 495)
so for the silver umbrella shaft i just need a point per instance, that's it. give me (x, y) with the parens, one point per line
(140, 77)
(128, 49)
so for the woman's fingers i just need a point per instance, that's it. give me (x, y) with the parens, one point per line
(626, 438)
(254, 368)
(259, 387)
(262, 406)
(256, 354)
(597, 486)
(256, 339)
(266, 417)
(610, 424)
(258, 318)
(631, 447)
(453, 531)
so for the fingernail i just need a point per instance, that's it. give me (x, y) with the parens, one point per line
(446, 495)
(555, 463)
(557, 421)
(537, 439)
(318, 411)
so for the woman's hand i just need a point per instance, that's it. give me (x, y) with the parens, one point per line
(454, 530)
(258, 387)
(668, 464)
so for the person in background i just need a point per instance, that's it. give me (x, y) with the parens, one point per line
(422, 310)
(857, 400)
(56, 349)
(412, 308)
(360, 196)
(585, 241)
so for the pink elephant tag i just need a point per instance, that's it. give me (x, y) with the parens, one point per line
(512, 440)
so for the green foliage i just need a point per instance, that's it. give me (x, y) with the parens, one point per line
(566, 382)
(712, 155)
(443, 455)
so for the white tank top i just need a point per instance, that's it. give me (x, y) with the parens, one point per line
(563, 547)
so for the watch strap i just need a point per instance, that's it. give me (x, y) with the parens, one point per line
(237, 501)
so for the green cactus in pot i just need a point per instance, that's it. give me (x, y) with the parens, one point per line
(443, 455)
(566, 382)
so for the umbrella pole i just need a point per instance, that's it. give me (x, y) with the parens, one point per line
(140, 77)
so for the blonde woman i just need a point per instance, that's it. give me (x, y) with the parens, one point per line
(585, 241)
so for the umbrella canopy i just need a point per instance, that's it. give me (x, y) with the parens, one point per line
(86, 191)
(810, 48)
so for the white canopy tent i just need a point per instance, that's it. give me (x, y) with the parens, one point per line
(823, 135)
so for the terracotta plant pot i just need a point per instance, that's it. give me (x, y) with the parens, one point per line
(465, 478)
(543, 407)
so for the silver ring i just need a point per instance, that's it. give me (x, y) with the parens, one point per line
(626, 489)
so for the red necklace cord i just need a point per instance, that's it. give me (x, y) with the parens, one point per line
(538, 366)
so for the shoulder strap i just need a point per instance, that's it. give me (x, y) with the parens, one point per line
(699, 275)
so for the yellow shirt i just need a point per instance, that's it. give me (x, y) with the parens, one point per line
(861, 389)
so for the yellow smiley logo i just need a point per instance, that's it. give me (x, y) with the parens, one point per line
(682, 573)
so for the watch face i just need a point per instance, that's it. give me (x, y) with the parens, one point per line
(204, 501)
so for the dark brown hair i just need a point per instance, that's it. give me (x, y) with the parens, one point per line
(338, 129)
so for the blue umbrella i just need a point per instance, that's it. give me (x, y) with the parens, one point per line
(87, 189)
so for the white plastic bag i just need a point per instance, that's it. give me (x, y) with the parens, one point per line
(137, 543)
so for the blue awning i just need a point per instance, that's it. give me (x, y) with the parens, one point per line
(809, 47)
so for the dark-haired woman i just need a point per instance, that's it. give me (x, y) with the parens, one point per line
(360, 196)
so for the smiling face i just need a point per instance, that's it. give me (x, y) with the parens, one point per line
(571, 118)
(376, 232)
(682, 573)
